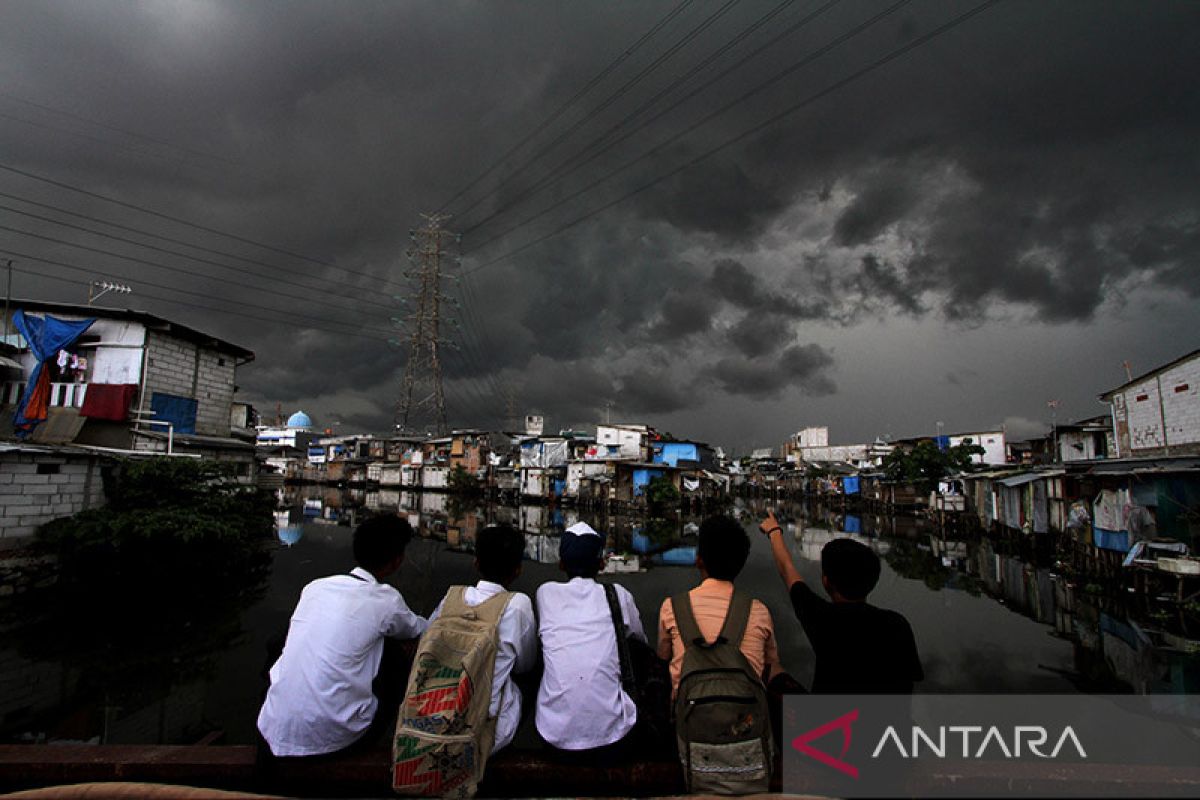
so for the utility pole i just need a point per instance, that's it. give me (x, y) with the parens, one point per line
(7, 301)
(422, 399)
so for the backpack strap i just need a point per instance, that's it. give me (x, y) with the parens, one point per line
(737, 617)
(490, 610)
(685, 620)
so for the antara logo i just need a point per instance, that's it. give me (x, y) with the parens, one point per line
(992, 742)
(842, 723)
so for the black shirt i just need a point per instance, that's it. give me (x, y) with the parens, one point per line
(859, 648)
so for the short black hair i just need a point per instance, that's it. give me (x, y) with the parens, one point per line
(851, 567)
(379, 540)
(499, 550)
(588, 570)
(724, 547)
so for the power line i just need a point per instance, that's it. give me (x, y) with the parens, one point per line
(683, 41)
(894, 54)
(160, 237)
(115, 129)
(133, 149)
(325, 290)
(191, 273)
(160, 298)
(179, 220)
(629, 51)
(778, 76)
(561, 170)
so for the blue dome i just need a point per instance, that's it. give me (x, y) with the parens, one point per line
(299, 420)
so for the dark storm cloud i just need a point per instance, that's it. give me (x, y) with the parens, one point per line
(804, 366)
(1041, 156)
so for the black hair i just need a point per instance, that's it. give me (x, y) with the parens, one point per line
(724, 547)
(498, 551)
(851, 567)
(588, 569)
(379, 540)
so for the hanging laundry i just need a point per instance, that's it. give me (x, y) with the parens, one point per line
(63, 359)
(108, 401)
(46, 336)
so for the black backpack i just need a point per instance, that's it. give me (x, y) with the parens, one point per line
(722, 721)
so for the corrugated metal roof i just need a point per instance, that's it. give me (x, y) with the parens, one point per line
(1021, 480)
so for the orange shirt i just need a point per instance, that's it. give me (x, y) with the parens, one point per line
(710, 601)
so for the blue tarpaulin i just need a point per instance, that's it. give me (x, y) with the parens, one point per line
(1111, 540)
(850, 484)
(45, 336)
(642, 478)
(852, 524)
(180, 411)
(676, 557)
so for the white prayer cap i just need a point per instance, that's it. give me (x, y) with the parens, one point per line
(582, 529)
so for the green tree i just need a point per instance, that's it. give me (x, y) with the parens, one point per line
(661, 493)
(926, 464)
(462, 482)
(143, 593)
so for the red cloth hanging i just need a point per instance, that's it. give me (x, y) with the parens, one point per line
(37, 408)
(108, 401)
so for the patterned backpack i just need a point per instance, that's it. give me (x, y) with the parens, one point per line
(722, 721)
(444, 733)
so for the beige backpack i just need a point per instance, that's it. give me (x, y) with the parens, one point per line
(444, 733)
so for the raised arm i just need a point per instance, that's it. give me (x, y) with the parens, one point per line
(783, 559)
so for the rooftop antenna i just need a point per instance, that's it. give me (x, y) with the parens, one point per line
(105, 287)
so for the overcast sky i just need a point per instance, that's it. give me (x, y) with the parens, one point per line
(881, 221)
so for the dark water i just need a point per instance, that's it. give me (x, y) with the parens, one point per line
(988, 617)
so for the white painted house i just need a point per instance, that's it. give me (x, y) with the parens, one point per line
(995, 449)
(1158, 413)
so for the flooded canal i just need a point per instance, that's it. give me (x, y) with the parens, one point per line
(178, 664)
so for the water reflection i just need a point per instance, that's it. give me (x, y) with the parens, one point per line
(168, 656)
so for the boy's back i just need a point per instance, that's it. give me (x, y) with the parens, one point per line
(580, 702)
(710, 603)
(859, 647)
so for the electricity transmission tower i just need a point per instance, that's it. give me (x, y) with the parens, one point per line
(422, 401)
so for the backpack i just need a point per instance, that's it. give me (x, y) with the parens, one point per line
(722, 721)
(444, 733)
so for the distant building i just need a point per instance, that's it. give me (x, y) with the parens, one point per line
(995, 450)
(622, 442)
(297, 433)
(1158, 413)
(1085, 440)
(811, 445)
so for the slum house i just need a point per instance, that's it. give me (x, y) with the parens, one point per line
(624, 442)
(346, 458)
(126, 380)
(1158, 413)
(1085, 440)
(631, 481)
(700, 477)
(543, 467)
(108, 380)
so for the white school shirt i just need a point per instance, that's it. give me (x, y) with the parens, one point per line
(516, 652)
(320, 698)
(580, 703)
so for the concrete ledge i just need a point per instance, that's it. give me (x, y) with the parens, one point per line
(517, 773)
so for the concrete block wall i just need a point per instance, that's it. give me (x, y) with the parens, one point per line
(1172, 396)
(1181, 404)
(36, 488)
(178, 367)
